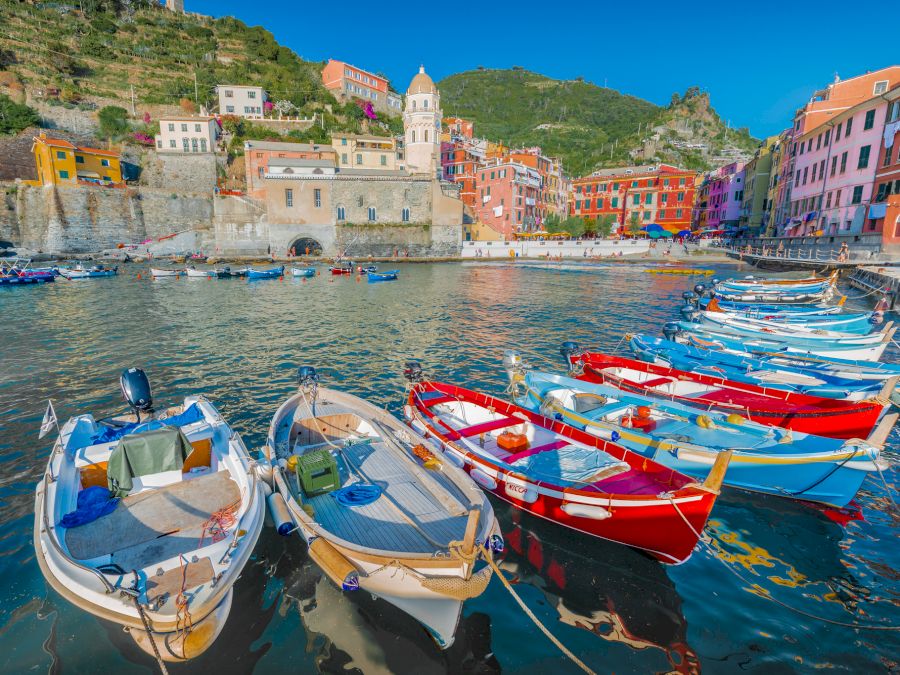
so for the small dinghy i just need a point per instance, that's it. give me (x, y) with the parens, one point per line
(563, 474)
(790, 410)
(148, 523)
(82, 272)
(158, 272)
(194, 273)
(303, 272)
(388, 275)
(765, 459)
(379, 510)
(271, 273)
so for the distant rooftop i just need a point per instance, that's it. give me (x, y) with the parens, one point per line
(287, 147)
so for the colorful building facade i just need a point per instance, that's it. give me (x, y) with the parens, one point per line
(884, 212)
(346, 82)
(507, 196)
(834, 171)
(60, 162)
(642, 195)
(259, 156)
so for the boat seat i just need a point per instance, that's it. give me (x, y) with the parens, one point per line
(490, 425)
(147, 516)
(430, 401)
(658, 381)
(555, 445)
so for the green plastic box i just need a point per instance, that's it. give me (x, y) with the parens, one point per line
(317, 472)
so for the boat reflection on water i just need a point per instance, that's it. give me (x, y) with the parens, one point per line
(357, 632)
(777, 544)
(616, 593)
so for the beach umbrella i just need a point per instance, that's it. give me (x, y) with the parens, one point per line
(684, 233)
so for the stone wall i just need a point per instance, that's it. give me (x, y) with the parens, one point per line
(57, 219)
(862, 246)
(187, 172)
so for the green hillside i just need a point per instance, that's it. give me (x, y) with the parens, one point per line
(588, 126)
(95, 51)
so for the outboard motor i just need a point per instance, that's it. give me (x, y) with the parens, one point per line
(412, 371)
(670, 330)
(136, 391)
(877, 318)
(689, 297)
(699, 289)
(715, 281)
(307, 376)
(690, 313)
(567, 349)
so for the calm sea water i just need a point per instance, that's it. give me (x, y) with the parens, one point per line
(238, 342)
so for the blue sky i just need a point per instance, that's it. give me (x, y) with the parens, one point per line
(758, 66)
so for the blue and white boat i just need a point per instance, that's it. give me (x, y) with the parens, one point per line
(272, 273)
(766, 459)
(833, 378)
(82, 272)
(303, 272)
(387, 275)
(844, 325)
(765, 311)
(760, 342)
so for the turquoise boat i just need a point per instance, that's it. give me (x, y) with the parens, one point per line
(387, 275)
(860, 323)
(833, 378)
(303, 272)
(771, 460)
(272, 273)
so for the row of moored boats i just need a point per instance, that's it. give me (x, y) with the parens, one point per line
(147, 519)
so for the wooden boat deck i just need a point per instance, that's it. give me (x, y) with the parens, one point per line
(384, 524)
(154, 525)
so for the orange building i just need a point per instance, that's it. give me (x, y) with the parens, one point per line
(347, 82)
(662, 194)
(458, 127)
(259, 155)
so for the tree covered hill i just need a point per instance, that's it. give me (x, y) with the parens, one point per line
(588, 126)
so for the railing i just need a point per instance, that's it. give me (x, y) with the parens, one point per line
(790, 253)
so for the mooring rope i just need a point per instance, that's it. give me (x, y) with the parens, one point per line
(537, 622)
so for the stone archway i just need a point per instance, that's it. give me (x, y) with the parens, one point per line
(300, 245)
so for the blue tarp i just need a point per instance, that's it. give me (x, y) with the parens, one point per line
(358, 494)
(93, 502)
(110, 434)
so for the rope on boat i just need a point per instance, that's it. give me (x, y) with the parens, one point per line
(537, 622)
(146, 622)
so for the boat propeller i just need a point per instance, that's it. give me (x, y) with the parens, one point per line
(136, 391)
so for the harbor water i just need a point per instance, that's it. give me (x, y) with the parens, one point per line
(752, 598)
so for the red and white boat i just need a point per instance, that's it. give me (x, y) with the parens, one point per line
(565, 475)
(830, 417)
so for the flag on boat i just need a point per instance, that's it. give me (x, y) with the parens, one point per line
(49, 420)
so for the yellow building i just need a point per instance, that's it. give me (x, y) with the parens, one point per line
(62, 163)
(376, 153)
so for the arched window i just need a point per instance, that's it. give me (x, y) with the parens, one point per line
(425, 104)
(341, 214)
(412, 136)
(288, 170)
(414, 104)
(404, 215)
(426, 135)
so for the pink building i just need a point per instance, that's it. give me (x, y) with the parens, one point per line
(834, 170)
(506, 196)
(726, 191)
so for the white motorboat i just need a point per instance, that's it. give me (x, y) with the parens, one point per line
(379, 510)
(149, 523)
(193, 272)
(159, 272)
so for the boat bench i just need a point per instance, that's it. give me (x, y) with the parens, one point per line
(429, 401)
(483, 428)
(555, 445)
(658, 381)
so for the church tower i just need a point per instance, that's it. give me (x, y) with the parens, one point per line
(422, 125)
